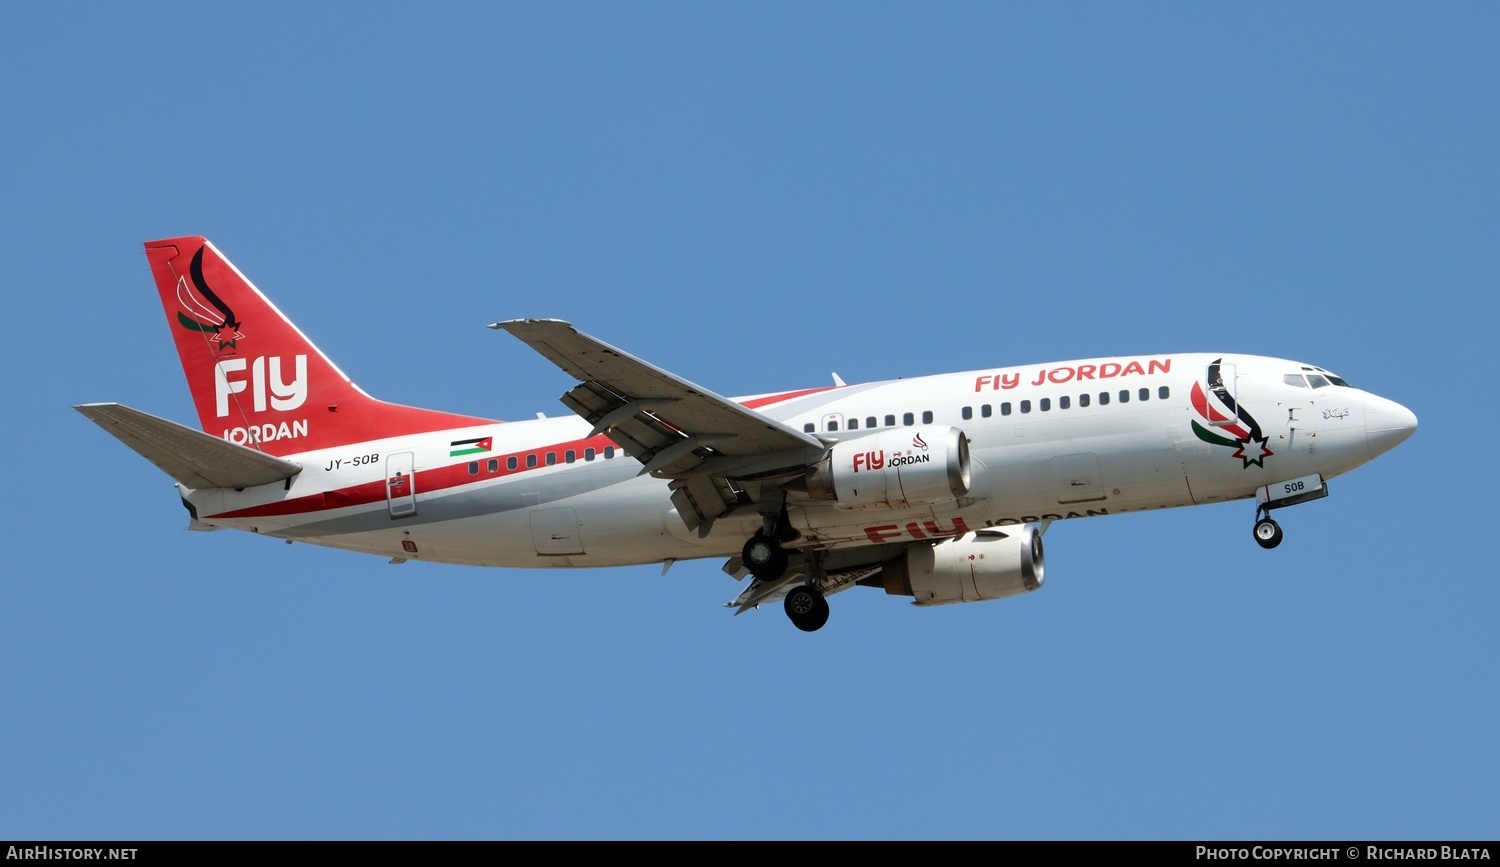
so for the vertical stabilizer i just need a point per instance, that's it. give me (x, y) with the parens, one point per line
(256, 379)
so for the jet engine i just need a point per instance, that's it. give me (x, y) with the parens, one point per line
(974, 567)
(893, 469)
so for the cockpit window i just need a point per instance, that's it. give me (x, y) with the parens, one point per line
(1294, 379)
(1329, 379)
(1317, 380)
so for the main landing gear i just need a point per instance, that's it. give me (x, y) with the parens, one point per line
(1267, 532)
(766, 558)
(806, 608)
(764, 555)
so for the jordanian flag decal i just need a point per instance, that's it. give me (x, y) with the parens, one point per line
(474, 446)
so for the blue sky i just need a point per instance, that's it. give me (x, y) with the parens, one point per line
(754, 196)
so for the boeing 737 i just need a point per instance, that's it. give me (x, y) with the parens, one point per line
(936, 488)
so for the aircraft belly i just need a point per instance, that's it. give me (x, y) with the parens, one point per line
(608, 519)
(1054, 469)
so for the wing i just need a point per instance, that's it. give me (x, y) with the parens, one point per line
(192, 457)
(708, 446)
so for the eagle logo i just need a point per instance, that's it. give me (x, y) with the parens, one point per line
(204, 311)
(1223, 414)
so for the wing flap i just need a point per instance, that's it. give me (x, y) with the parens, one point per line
(628, 422)
(192, 457)
(701, 499)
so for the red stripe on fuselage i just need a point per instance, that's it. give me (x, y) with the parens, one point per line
(776, 398)
(428, 481)
(457, 475)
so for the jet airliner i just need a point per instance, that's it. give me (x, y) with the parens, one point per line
(935, 488)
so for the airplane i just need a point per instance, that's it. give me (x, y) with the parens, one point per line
(935, 488)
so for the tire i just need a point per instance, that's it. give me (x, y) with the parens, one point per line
(806, 608)
(764, 557)
(1267, 533)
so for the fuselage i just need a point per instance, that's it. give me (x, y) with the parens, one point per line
(1048, 442)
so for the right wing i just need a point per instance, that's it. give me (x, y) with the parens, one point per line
(192, 457)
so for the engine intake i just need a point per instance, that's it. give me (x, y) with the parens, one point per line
(974, 567)
(894, 469)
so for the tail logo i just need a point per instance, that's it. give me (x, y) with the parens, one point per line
(1224, 414)
(204, 311)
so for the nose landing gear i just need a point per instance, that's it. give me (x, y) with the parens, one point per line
(1267, 532)
(1281, 495)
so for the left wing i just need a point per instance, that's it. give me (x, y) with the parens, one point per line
(706, 444)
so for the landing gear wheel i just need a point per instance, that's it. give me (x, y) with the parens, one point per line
(807, 608)
(764, 557)
(1267, 533)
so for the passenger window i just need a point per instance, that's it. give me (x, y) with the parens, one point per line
(870, 421)
(968, 413)
(1104, 398)
(1144, 394)
(494, 465)
(1083, 400)
(551, 458)
(985, 410)
(1124, 395)
(570, 456)
(1046, 404)
(1064, 402)
(890, 421)
(833, 425)
(1025, 406)
(1164, 392)
(809, 427)
(927, 417)
(908, 419)
(853, 424)
(510, 462)
(588, 454)
(609, 452)
(473, 468)
(1005, 408)
(530, 460)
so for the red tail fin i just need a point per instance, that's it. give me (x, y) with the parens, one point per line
(256, 379)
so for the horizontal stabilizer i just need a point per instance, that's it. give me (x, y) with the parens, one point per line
(193, 458)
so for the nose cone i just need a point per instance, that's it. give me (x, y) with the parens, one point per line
(1387, 424)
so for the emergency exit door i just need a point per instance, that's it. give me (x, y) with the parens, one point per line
(400, 484)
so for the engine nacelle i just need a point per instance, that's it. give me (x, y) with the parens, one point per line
(974, 567)
(894, 469)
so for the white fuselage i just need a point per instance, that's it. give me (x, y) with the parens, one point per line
(1044, 446)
